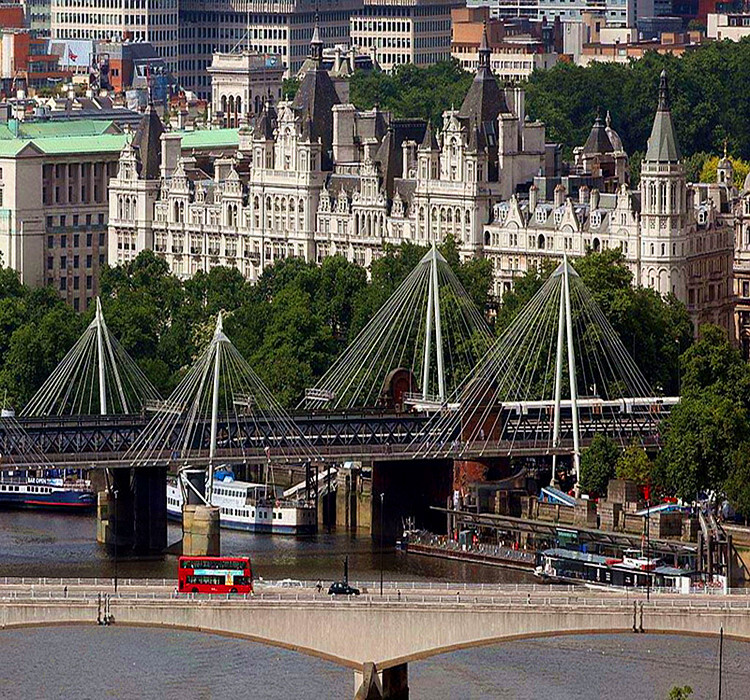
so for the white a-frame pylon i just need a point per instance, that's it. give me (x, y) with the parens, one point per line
(433, 315)
(565, 332)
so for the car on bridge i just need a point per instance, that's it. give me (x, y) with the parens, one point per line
(342, 588)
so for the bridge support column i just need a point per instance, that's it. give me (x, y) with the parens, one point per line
(390, 684)
(149, 509)
(396, 683)
(134, 511)
(201, 535)
(115, 512)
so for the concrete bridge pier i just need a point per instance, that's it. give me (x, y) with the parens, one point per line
(132, 512)
(201, 533)
(389, 684)
(353, 500)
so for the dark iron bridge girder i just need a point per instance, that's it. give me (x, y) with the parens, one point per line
(103, 440)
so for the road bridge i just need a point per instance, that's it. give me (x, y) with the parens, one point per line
(377, 637)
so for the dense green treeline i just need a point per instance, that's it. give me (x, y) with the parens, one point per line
(710, 89)
(705, 441)
(290, 326)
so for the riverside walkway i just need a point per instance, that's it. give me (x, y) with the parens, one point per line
(376, 636)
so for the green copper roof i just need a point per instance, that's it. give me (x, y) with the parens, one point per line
(56, 128)
(206, 138)
(89, 136)
(106, 143)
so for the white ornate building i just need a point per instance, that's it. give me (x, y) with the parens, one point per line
(316, 177)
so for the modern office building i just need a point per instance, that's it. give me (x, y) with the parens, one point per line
(404, 31)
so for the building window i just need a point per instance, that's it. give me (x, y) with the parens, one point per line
(63, 262)
(50, 241)
(89, 281)
(63, 284)
(88, 260)
(76, 282)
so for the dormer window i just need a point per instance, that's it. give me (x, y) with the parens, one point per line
(596, 219)
(558, 217)
(541, 215)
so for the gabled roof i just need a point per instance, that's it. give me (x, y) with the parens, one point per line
(662, 145)
(429, 142)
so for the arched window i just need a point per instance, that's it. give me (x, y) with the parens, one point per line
(540, 242)
(596, 245)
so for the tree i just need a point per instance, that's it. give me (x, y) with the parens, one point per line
(412, 92)
(635, 465)
(523, 290)
(711, 164)
(598, 463)
(680, 692)
(737, 484)
(713, 365)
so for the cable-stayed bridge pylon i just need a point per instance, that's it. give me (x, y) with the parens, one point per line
(416, 349)
(558, 361)
(96, 377)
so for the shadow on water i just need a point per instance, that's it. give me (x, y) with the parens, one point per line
(57, 662)
(50, 544)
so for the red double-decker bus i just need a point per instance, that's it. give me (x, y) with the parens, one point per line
(215, 575)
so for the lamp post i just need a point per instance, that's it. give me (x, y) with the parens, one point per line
(382, 495)
(114, 536)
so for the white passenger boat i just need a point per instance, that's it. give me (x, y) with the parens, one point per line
(252, 507)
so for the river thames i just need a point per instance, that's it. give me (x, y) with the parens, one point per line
(119, 662)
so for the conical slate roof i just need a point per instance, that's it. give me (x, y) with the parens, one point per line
(267, 120)
(484, 101)
(315, 100)
(429, 142)
(147, 143)
(662, 145)
(598, 140)
(614, 137)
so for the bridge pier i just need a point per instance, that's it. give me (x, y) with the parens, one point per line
(201, 533)
(132, 512)
(389, 684)
(353, 500)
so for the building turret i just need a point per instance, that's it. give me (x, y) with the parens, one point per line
(665, 214)
(315, 99)
(429, 156)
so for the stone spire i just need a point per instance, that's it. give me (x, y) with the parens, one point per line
(316, 45)
(484, 49)
(662, 145)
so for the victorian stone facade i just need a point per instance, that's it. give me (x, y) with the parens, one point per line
(314, 177)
